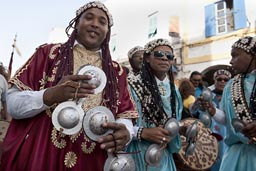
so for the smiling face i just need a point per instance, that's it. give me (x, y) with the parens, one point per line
(92, 28)
(241, 60)
(160, 65)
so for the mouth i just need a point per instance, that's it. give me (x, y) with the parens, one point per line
(163, 65)
(93, 33)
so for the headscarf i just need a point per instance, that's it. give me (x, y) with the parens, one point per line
(248, 44)
(222, 72)
(134, 50)
(150, 46)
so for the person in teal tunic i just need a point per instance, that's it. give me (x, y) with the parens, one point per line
(239, 101)
(220, 77)
(157, 99)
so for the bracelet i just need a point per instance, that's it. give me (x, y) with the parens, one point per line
(139, 133)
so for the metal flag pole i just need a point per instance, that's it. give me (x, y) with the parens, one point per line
(11, 59)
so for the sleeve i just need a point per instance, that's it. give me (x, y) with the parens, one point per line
(24, 104)
(126, 108)
(33, 75)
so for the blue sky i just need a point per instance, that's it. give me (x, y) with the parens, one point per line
(32, 21)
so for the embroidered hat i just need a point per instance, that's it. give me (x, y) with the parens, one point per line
(222, 72)
(157, 42)
(248, 44)
(134, 50)
(96, 4)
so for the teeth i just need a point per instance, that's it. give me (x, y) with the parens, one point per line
(92, 33)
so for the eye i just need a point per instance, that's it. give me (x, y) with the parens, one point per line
(103, 21)
(158, 54)
(169, 55)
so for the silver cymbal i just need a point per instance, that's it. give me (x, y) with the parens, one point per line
(192, 131)
(99, 78)
(67, 117)
(206, 94)
(93, 120)
(172, 126)
(153, 155)
(206, 119)
(119, 162)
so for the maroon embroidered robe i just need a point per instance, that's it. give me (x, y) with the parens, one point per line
(34, 144)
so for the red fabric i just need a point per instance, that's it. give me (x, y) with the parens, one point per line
(28, 145)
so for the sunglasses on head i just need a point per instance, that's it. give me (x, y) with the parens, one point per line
(222, 79)
(160, 54)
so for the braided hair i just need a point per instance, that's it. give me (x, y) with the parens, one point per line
(66, 63)
(156, 106)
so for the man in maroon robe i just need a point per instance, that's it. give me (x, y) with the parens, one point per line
(49, 78)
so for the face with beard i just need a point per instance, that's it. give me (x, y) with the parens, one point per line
(92, 28)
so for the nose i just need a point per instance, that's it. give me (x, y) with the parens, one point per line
(95, 23)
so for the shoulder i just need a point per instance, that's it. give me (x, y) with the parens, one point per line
(118, 68)
(47, 50)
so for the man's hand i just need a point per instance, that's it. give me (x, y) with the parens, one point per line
(250, 130)
(116, 141)
(156, 135)
(69, 87)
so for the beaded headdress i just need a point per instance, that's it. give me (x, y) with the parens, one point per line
(222, 72)
(248, 44)
(96, 4)
(157, 42)
(134, 50)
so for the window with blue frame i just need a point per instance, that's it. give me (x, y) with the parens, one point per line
(224, 16)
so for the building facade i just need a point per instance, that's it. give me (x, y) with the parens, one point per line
(202, 32)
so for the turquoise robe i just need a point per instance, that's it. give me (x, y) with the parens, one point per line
(240, 156)
(167, 162)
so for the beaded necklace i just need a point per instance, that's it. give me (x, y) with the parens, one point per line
(242, 110)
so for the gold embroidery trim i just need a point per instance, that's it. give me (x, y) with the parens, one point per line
(58, 140)
(70, 159)
(74, 137)
(88, 146)
(51, 54)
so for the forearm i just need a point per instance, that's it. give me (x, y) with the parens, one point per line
(24, 104)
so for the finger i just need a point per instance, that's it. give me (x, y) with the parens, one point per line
(249, 127)
(80, 77)
(165, 132)
(113, 126)
(105, 139)
(87, 86)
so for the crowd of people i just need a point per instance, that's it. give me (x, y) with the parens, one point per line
(142, 99)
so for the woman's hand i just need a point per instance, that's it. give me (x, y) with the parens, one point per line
(69, 87)
(156, 135)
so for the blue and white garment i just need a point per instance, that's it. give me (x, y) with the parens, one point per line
(167, 162)
(240, 156)
(221, 130)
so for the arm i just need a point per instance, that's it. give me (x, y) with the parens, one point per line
(24, 104)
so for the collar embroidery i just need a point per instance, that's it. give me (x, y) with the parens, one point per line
(238, 100)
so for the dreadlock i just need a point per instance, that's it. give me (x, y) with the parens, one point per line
(150, 83)
(66, 65)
